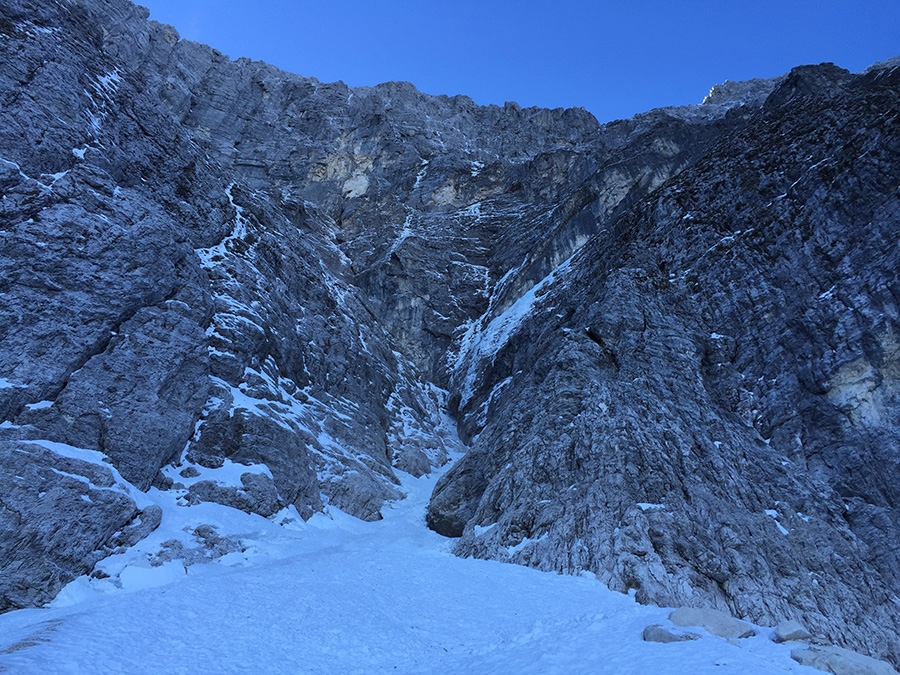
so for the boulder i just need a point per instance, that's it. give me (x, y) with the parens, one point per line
(840, 661)
(790, 630)
(714, 621)
(657, 633)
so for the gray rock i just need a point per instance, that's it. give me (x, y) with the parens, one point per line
(249, 438)
(658, 633)
(790, 630)
(145, 522)
(204, 259)
(748, 92)
(257, 494)
(210, 546)
(58, 517)
(840, 661)
(688, 410)
(138, 400)
(715, 622)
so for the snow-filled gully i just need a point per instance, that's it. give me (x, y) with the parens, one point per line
(338, 595)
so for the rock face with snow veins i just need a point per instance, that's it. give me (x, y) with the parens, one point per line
(207, 261)
(670, 342)
(703, 405)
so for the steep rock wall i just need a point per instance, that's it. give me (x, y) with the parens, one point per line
(703, 405)
(666, 339)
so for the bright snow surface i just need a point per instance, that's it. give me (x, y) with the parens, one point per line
(337, 595)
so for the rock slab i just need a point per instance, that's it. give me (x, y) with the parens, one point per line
(716, 622)
(790, 631)
(658, 633)
(840, 661)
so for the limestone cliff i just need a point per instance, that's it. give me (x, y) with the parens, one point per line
(670, 342)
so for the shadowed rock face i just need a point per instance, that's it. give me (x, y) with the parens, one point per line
(58, 516)
(668, 341)
(703, 406)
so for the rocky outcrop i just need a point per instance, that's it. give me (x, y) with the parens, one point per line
(669, 342)
(59, 515)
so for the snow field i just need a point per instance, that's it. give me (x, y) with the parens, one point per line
(338, 595)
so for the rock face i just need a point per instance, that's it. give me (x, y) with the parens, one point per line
(670, 343)
(702, 405)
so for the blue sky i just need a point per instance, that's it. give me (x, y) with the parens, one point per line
(613, 58)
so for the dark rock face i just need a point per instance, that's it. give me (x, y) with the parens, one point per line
(670, 342)
(704, 405)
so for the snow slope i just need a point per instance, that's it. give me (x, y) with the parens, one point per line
(338, 595)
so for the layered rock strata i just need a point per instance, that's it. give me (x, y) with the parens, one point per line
(669, 342)
(702, 405)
